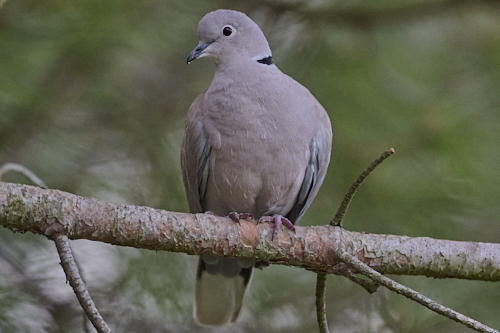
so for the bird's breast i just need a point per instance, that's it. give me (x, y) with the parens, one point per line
(255, 172)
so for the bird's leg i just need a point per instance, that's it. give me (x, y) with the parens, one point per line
(278, 220)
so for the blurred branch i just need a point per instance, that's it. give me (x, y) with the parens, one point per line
(49, 212)
(21, 169)
(359, 16)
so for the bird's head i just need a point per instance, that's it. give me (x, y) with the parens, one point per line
(227, 34)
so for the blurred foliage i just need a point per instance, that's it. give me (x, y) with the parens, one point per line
(93, 96)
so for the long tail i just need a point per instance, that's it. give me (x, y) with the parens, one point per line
(221, 285)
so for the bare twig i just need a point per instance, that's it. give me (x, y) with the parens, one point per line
(356, 264)
(320, 302)
(21, 169)
(337, 220)
(359, 266)
(76, 282)
(369, 285)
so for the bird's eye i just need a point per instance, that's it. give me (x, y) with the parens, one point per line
(227, 30)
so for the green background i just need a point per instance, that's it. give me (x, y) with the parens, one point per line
(93, 97)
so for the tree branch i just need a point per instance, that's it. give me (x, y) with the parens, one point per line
(48, 212)
(76, 282)
(23, 170)
(68, 262)
(324, 249)
(321, 302)
(339, 216)
(412, 294)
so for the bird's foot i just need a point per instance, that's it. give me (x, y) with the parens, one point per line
(278, 220)
(236, 217)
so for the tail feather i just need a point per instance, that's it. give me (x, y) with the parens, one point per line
(221, 285)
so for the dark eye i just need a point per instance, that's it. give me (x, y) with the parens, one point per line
(227, 30)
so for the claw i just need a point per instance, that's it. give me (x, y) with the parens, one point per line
(278, 220)
(236, 217)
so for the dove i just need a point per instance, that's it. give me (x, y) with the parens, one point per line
(256, 143)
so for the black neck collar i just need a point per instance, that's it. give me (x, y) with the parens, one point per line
(266, 61)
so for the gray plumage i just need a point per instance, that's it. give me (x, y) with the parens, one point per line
(255, 142)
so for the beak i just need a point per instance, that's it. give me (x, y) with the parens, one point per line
(197, 52)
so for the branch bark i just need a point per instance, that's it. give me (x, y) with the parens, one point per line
(49, 212)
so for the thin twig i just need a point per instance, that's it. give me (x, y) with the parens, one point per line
(67, 260)
(24, 170)
(360, 267)
(76, 282)
(369, 285)
(321, 303)
(337, 220)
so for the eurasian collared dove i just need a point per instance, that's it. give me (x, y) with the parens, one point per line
(255, 142)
